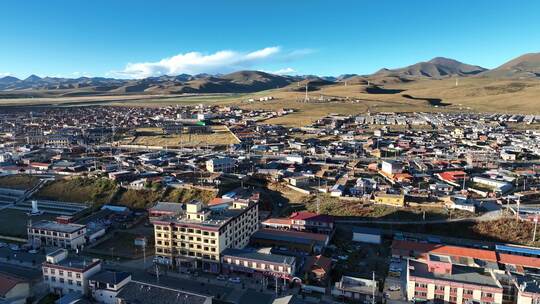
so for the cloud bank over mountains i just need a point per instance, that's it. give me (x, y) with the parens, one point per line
(223, 61)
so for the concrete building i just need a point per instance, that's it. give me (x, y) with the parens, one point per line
(258, 264)
(197, 237)
(355, 289)
(105, 285)
(312, 222)
(222, 164)
(50, 233)
(367, 235)
(439, 280)
(391, 167)
(68, 274)
(139, 292)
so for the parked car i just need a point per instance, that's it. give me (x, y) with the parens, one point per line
(14, 247)
(2, 244)
(222, 277)
(235, 280)
(394, 288)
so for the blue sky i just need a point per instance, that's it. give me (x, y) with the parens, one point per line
(132, 38)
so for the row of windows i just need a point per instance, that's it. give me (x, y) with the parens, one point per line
(189, 253)
(52, 233)
(188, 238)
(187, 245)
(61, 272)
(254, 265)
(62, 280)
(187, 230)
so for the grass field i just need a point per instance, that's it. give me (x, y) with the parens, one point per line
(504, 230)
(122, 245)
(336, 207)
(13, 222)
(154, 137)
(186, 195)
(18, 181)
(97, 191)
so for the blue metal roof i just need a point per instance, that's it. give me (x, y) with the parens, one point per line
(518, 249)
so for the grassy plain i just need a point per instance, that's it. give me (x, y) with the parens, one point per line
(18, 181)
(475, 94)
(80, 190)
(154, 137)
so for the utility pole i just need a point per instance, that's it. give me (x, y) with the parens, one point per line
(306, 98)
(535, 225)
(373, 289)
(144, 254)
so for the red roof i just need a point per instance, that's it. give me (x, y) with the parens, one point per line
(422, 248)
(452, 175)
(276, 220)
(7, 283)
(519, 260)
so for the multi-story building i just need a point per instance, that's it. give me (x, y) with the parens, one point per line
(105, 285)
(55, 234)
(198, 236)
(313, 222)
(528, 289)
(438, 280)
(67, 274)
(221, 164)
(257, 263)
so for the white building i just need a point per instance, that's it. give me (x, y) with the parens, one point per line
(222, 164)
(391, 167)
(105, 285)
(67, 274)
(197, 237)
(55, 234)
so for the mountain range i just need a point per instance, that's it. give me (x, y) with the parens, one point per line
(523, 67)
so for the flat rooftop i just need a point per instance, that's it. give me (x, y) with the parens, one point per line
(460, 274)
(254, 255)
(58, 227)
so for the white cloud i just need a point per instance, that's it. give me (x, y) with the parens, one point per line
(284, 71)
(5, 74)
(197, 62)
(80, 74)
